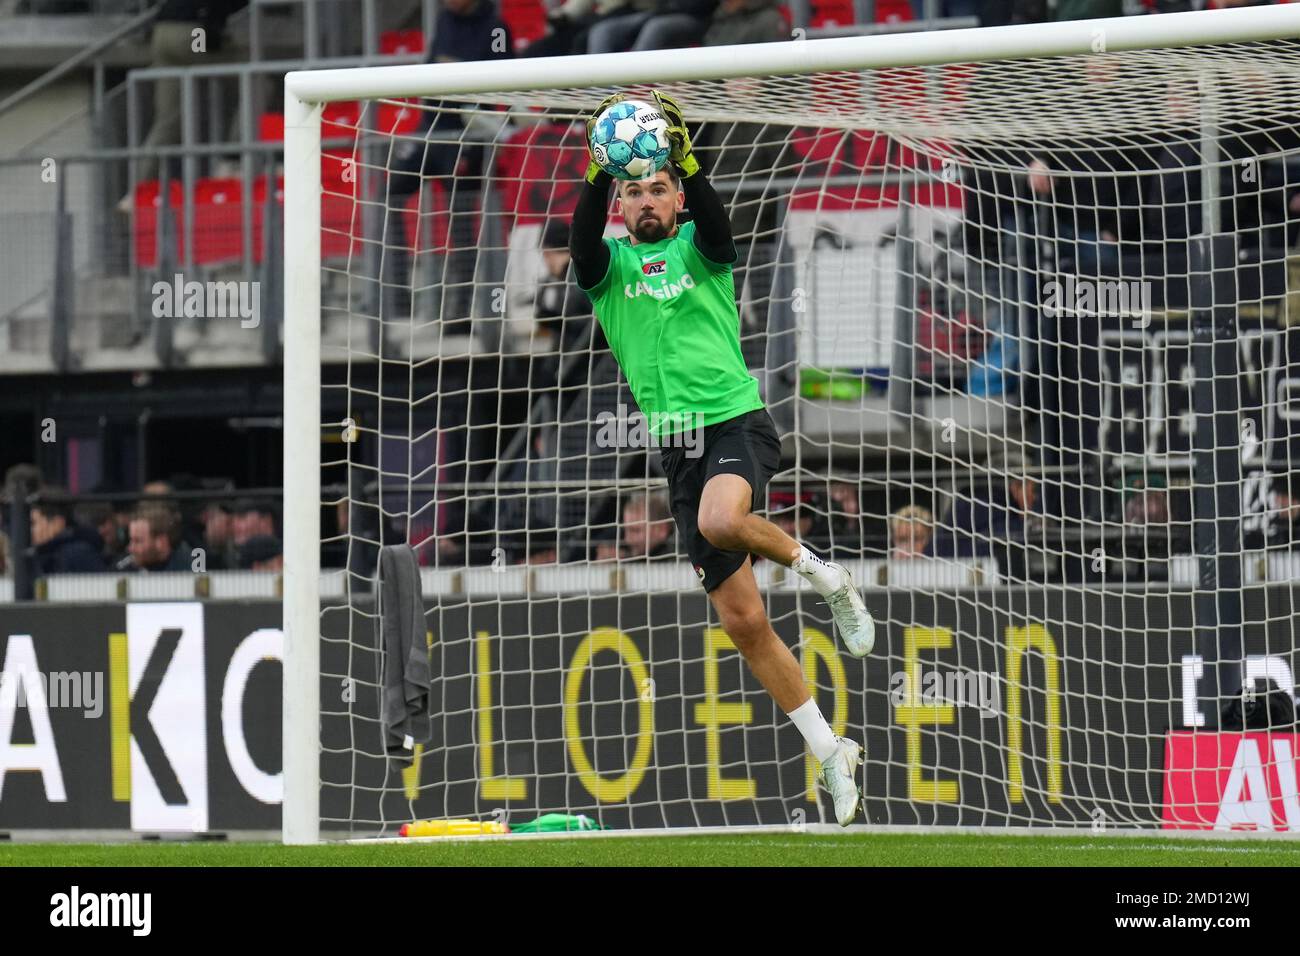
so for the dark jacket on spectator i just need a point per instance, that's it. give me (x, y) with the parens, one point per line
(477, 35)
(74, 550)
(470, 36)
(212, 14)
(1088, 9)
(974, 528)
(757, 21)
(1098, 193)
(179, 560)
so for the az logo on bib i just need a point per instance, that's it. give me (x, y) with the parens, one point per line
(657, 268)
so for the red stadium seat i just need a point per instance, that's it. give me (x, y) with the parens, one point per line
(832, 13)
(397, 42)
(145, 221)
(526, 20)
(893, 11)
(270, 127)
(398, 119)
(337, 166)
(218, 222)
(340, 120)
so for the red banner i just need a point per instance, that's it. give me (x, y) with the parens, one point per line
(1231, 781)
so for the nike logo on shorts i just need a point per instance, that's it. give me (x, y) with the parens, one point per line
(723, 461)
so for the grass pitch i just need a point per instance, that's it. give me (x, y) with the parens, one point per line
(745, 849)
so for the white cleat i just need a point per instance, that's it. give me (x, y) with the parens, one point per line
(856, 627)
(840, 776)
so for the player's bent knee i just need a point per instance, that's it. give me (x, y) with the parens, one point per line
(720, 528)
(746, 628)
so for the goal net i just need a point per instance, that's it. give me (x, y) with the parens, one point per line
(1020, 303)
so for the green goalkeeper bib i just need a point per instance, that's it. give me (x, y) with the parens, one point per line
(670, 317)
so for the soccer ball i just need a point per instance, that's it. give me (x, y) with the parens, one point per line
(630, 140)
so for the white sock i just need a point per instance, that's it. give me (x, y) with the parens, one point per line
(824, 579)
(808, 718)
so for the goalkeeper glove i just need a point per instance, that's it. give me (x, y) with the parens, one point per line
(593, 168)
(681, 155)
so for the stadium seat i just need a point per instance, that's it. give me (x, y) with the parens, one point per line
(893, 11)
(336, 167)
(270, 127)
(832, 13)
(398, 42)
(526, 20)
(340, 120)
(145, 220)
(218, 222)
(398, 119)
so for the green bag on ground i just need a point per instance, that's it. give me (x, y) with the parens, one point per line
(556, 823)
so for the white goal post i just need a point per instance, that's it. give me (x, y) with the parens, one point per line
(1051, 51)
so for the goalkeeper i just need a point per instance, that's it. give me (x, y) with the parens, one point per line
(665, 298)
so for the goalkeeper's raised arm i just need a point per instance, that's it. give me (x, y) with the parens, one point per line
(712, 236)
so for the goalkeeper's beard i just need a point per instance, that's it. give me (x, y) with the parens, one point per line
(652, 229)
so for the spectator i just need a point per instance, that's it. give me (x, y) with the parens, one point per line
(660, 24)
(558, 299)
(251, 519)
(1090, 203)
(946, 8)
(334, 546)
(1087, 9)
(155, 543)
(1270, 510)
(997, 524)
(218, 536)
(564, 320)
(744, 154)
(262, 553)
(746, 21)
(800, 516)
(60, 546)
(999, 13)
(910, 531)
(569, 25)
(21, 481)
(647, 530)
(101, 517)
(846, 538)
(449, 143)
(173, 44)
(161, 491)
(1147, 506)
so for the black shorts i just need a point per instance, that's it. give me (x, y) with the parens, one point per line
(747, 446)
